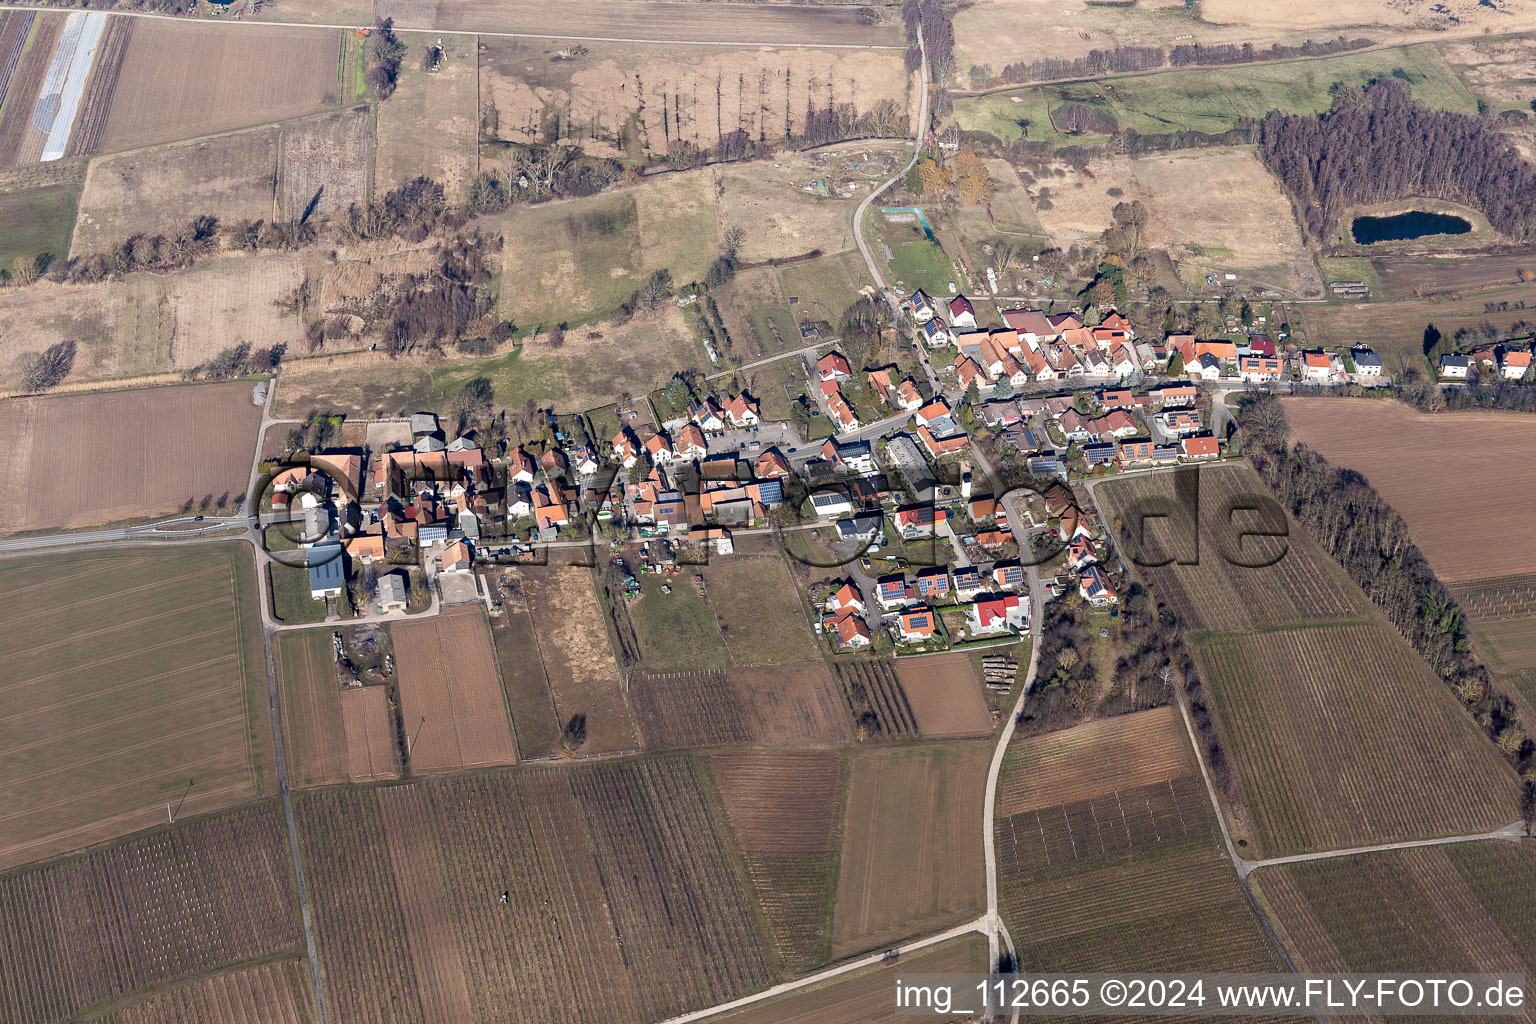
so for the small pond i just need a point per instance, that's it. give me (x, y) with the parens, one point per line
(1413, 224)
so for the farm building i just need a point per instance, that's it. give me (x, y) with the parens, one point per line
(392, 593)
(327, 573)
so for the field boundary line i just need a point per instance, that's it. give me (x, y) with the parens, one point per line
(738, 44)
(873, 960)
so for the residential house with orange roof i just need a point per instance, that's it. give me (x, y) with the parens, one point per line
(690, 443)
(1095, 587)
(846, 598)
(833, 367)
(705, 413)
(521, 467)
(1514, 363)
(841, 411)
(1201, 446)
(659, 447)
(852, 631)
(916, 624)
(880, 383)
(968, 373)
(938, 447)
(455, 558)
(771, 465)
(742, 411)
(626, 448)
(908, 397)
(1316, 365)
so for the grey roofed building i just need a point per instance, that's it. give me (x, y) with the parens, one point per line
(860, 526)
(327, 573)
(392, 592)
(423, 423)
(1365, 357)
(733, 512)
(429, 443)
(469, 524)
(910, 463)
(462, 444)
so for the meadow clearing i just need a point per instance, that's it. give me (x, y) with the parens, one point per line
(624, 101)
(581, 259)
(1215, 210)
(135, 673)
(151, 190)
(1213, 100)
(578, 659)
(49, 442)
(430, 126)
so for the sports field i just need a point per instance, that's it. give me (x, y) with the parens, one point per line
(1467, 907)
(132, 673)
(1110, 858)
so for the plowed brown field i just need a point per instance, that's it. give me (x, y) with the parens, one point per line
(450, 696)
(180, 80)
(1436, 470)
(370, 733)
(274, 993)
(82, 460)
(912, 849)
(944, 696)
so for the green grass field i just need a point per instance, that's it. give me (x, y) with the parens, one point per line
(1213, 100)
(37, 220)
(291, 602)
(516, 380)
(580, 260)
(823, 288)
(676, 630)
